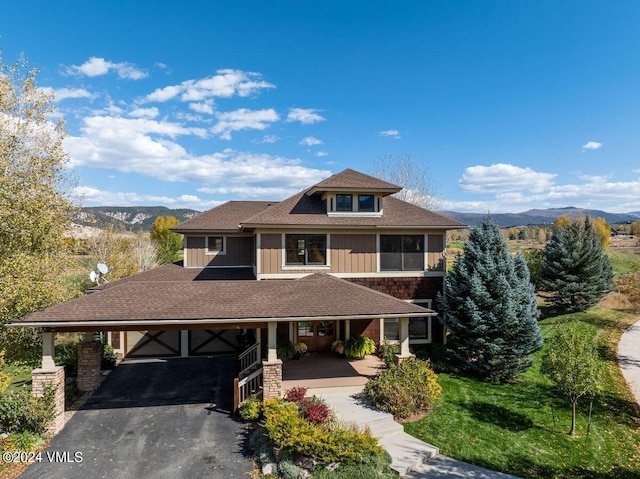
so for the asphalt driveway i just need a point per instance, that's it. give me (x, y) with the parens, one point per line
(153, 419)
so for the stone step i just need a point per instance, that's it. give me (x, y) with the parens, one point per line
(383, 427)
(407, 452)
(442, 466)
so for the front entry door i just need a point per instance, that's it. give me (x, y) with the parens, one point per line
(318, 336)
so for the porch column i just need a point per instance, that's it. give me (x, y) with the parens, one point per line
(292, 331)
(184, 343)
(347, 329)
(259, 343)
(272, 367)
(403, 324)
(89, 359)
(50, 376)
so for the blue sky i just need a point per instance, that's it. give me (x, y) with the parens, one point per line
(512, 105)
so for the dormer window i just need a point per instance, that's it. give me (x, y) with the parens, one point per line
(344, 202)
(366, 203)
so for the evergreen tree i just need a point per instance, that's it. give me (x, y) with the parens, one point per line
(577, 271)
(490, 308)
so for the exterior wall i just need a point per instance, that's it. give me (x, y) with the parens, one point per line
(239, 251)
(353, 253)
(404, 288)
(152, 343)
(349, 254)
(369, 328)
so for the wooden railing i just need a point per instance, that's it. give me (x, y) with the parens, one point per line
(248, 360)
(248, 379)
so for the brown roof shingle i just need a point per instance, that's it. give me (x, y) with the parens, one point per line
(354, 180)
(226, 217)
(154, 302)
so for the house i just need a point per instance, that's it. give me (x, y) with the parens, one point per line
(341, 258)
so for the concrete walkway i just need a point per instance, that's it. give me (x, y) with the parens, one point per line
(410, 457)
(629, 358)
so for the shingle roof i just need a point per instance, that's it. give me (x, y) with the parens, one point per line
(318, 296)
(225, 217)
(302, 209)
(354, 180)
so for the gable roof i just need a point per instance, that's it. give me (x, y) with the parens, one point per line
(351, 180)
(226, 217)
(150, 304)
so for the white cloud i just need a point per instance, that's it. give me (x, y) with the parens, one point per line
(592, 145)
(89, 195)
(395, 134)
(501, 177)
(225, 84)
(145, 113)
(267, 139)
(310, 141)
(202, 107)
(304, 115)
(321, 153)
(243, 119)
(60, 94)
(99, 66)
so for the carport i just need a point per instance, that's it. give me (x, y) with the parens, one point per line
(167, 299)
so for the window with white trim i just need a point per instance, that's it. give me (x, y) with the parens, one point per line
(391, 329)
(215, 244)
(401, 252)
(307, 249)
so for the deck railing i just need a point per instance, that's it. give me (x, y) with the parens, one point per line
(248, 380)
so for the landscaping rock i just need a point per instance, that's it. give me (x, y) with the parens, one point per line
(332, 466)
(268, 468)
(306, 462)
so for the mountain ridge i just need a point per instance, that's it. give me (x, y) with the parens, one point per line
(141, 218)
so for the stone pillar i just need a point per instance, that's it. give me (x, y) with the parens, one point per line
(405, 353)
(271, 379)
(42, 378)
(89, 358)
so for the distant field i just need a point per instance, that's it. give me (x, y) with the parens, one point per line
(624, 263)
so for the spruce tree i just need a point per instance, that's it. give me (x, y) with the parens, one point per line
(577, 271)
(490, 308)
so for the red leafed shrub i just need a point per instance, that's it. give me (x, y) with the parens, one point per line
(316, 413)
(296, 394)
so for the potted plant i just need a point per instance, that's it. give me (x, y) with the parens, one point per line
(338, 347)
(358, 347)
(301, 349)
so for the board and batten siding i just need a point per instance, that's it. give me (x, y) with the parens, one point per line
(353, 253)
(435, 252)
(270, 253)
(238, 252)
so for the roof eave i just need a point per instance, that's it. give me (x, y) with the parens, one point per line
(385, 191)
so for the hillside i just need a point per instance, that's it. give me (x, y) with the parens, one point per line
(132, 218)
(536, 217)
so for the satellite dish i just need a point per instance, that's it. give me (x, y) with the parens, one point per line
(103, 268)
(93, 276)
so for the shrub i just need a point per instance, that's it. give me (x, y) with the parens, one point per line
(20, 411)
(372, 467)
(250, 409)
(108, 360)
(288, 430)
(300, 348)
(285, 349)
(316, 412)
(358, 347)
(337, 346)
(387, 352)
(404, 389)
(295, 394)
(25, 441)
(67, 355)
(5, 378)
(288, 470)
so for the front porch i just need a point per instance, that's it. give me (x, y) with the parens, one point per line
(324, 370)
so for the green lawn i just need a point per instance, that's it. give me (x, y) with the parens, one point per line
(20, 376)
(510, 428)
(624, 263)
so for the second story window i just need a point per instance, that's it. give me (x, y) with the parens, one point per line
(215, 244)
(344, 202)
(401, 252)
(306, 249)
(365, 203)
